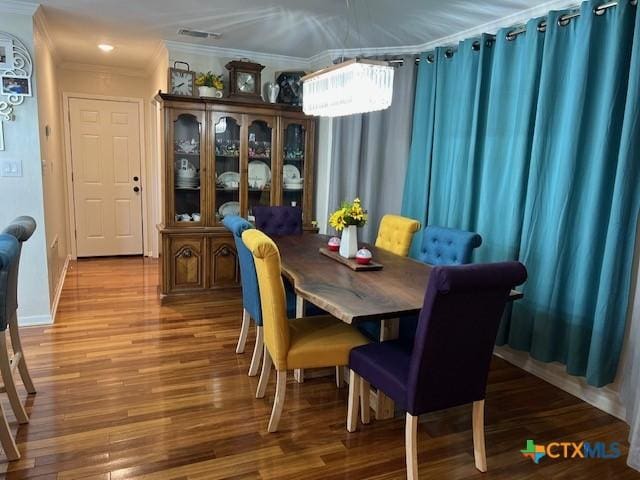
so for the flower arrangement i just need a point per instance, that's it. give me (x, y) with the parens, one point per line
(349, 213)
(209, 79)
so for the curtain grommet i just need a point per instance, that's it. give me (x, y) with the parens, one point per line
(599, 11)
(510, 36)
(430, 58)
(542, 26)
(448, 53)
(475, 46)
(563, 21)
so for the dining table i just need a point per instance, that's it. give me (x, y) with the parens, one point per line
(386, 295)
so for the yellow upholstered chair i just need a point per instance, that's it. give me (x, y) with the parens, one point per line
(313, 342)
(395, 234)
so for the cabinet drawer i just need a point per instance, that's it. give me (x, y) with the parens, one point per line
(224, 271)
(187, 262)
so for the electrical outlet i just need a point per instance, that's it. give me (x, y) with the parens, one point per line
(10, 168)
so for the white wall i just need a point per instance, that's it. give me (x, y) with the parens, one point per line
(52, 154)
(23, 195)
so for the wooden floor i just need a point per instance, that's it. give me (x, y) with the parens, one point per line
(131, 389)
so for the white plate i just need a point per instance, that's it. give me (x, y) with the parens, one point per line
(229, 208)
(290, 171)
(259, 174)
(227, 178)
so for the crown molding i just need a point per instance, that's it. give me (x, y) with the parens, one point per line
(266, 58)
(18, 8)
(104, 69)
(154, 60)
(40, 23)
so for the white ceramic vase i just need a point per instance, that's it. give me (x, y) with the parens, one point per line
(272, 92)
(209, 92)
(349, 242)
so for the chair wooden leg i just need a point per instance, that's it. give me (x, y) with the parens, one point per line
(16, 345)
(9, 384)
(365, 401)
(257, 352)
(244, 331)
(298, 374)
(339, 376)
(479, 452)
(278, 403)
(411, 446)
(354, 394)
(8, 443)
(264, 375)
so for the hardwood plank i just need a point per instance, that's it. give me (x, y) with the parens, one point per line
(130, 388)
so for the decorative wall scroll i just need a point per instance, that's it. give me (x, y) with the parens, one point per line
(16, 69)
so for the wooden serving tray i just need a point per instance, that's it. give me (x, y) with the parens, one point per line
(350, 262)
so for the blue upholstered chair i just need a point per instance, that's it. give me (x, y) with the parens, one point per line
(21, 228)
(448, 363)
(440, 246)
(448, 246)
(250, 293)
(9, 257)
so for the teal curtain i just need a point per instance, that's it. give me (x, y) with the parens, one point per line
(583, 195)
(416, 193)
(534, 145)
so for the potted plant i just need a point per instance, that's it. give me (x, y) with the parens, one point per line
(347, 219)
(209, 84)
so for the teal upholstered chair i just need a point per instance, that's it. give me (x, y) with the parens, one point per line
(448, 246)
(250, 293)
(439, 246)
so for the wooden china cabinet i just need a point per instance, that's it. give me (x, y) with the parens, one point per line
(223, 157)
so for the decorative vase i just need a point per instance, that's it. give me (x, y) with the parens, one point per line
(272, 92)
(208, 92)
(349, 242)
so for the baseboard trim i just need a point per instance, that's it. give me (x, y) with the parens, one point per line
(34, 320)
(58, 293)
(606, 399)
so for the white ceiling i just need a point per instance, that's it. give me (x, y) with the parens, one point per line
(300, 28)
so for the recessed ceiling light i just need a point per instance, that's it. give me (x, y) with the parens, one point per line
(105, 47)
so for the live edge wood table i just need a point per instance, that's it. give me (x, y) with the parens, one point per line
(353, 297)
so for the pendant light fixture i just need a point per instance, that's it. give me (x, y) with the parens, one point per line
(350, 87)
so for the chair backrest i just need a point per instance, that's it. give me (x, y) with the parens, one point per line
(278, 221)
(274, 306)
(21, 228)
(248, 278)
(395, 234)
(9, 255)
(448, 246)
(456, 333)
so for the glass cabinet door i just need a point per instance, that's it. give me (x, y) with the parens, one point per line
(187, 161)
(293, 164)
(227, 165)
(260, 165)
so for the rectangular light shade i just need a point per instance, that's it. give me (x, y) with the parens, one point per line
(355, 86)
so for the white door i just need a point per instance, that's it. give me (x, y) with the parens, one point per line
(105, 152)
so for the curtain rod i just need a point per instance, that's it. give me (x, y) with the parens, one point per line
(563, 20)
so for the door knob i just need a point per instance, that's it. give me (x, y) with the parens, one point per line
(136, 189)
(135, 179)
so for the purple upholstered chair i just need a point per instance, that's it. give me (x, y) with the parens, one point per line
(278, 221)
(449, 362)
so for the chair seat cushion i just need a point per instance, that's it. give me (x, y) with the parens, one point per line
(322, 341)
(385, 366)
